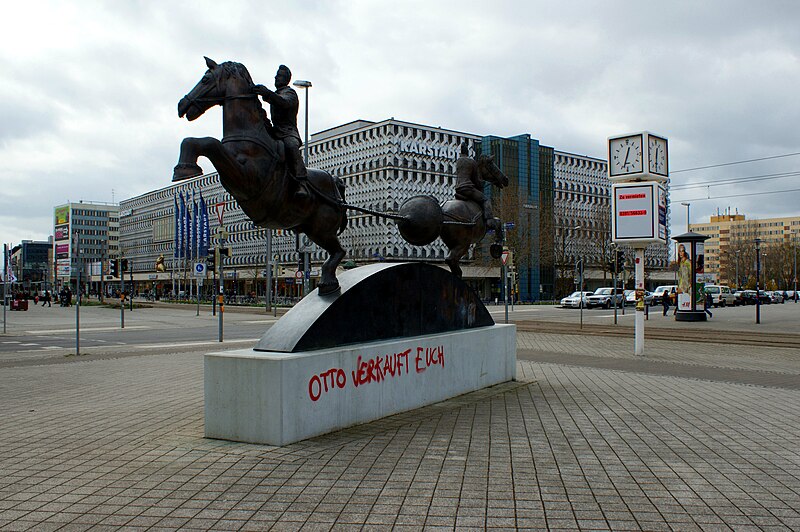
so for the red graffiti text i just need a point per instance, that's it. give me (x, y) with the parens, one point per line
(428, 356)
(380, 368)
(325, 382)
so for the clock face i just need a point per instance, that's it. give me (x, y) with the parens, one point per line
(657, 155)
(625, 155)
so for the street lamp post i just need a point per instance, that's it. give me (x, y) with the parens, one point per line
(304, 85)
(737, 268)
(794, 241)
(687, 214)
(758, 274)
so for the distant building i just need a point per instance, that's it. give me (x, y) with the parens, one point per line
(730, 248)
(527, 209)
(32, 264)
(97, 228)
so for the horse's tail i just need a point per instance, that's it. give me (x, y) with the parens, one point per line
(340, 186)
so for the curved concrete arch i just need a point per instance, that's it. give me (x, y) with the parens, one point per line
(379, 302)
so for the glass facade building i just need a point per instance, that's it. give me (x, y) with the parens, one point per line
(525, 206)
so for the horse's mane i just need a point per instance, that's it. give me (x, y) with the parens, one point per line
(231, 68)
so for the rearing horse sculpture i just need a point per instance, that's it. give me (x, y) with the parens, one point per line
(252, 168)
(460, 236)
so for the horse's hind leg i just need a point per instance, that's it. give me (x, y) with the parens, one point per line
(330, 243)
(454, 256)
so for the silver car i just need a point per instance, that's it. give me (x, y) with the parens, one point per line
(574, 299)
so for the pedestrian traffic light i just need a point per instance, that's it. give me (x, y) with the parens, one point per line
(124, 264)
(620, 259)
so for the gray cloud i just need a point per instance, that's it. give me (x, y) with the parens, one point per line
(88, 102)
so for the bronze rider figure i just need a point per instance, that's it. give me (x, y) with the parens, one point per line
(469, 185)
(283, 107)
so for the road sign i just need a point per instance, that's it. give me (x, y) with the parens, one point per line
(509, 225)
(299, 274)
(504, 257)
(199, 269)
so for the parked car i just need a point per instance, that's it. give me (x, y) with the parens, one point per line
(658, 293)
(630, 297)
(574, 299)
(739, 298)
(776, 296)
(750, 297)
(721, 295)
(763, 297)
(604, 297)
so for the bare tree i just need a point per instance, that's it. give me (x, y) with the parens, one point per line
(508, 206)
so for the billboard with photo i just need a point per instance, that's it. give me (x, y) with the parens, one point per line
(684, 269)
(61, 233)
(62, 215)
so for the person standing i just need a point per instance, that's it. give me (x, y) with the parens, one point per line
(665, 301)
(708, 303)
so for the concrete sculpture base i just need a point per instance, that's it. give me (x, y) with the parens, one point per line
(277, 398)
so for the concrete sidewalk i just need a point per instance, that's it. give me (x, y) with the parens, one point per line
(110, 444)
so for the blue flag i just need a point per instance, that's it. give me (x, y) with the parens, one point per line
(204, 230)
(195, 222)
(176, 241)
(182, 241)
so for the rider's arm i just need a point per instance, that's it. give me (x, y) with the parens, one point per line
(286, 100)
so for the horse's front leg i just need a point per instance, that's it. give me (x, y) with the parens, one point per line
(192, 148)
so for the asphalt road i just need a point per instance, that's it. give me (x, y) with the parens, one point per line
(51, 332)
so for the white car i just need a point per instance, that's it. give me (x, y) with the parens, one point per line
(574, 299)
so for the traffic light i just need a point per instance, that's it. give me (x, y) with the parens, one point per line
(124, 264)
(114, 268)
(211, 261)
(224, 252)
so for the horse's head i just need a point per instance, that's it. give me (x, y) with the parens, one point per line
(220, 82)
(489, 171)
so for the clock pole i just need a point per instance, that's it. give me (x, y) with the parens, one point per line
(638, 169)
(638, 324)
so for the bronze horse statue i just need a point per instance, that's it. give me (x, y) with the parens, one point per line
(458, 237)
(459, 222)
(252, 167)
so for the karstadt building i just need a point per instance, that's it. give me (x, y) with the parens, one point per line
(382, 164)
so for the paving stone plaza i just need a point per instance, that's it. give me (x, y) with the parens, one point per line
(697, 436)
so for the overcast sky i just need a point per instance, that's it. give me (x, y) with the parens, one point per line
(90, 89)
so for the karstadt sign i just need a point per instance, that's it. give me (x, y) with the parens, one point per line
(431, 149)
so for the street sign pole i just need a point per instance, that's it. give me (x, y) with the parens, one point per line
(221, 296)
(5, 284)
(78, 296)
(121, 296)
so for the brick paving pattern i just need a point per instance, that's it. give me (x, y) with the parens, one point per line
(108, 444)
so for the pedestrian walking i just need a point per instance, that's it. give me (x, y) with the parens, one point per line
(665, 302)
(708, 302)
